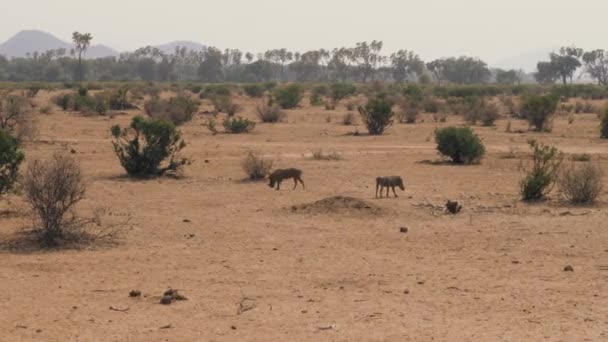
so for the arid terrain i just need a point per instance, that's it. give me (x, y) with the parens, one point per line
(254, 268)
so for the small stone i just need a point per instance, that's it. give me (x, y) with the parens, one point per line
(135, 294)
(233, 327)
(406, 291)
(73, 151)
(568, 269)
(403, 230)
(206, 161)
(166, 300)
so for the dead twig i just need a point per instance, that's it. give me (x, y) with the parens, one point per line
(119, 310)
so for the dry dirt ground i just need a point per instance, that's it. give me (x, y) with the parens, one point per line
(255, 270)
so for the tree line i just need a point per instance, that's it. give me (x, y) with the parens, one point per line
(363, 62)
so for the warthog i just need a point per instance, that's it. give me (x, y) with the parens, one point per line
(388, 182)
(280, 175)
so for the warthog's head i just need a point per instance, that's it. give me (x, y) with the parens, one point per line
(272, 181)
(400, 183)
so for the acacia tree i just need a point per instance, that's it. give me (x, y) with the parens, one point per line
(404, 63)
(81, 44)
(367, 58)
(437, 67)
(596, 65)
(210, 67)
(545, 73)
(339, 63)
(566, 62)
(507, 76)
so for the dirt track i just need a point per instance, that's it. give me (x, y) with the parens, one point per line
(492, 273)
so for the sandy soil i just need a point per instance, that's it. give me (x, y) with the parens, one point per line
(493, 273)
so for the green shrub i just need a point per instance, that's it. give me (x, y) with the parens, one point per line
(148, 147)
(604, 125)
(10, 159)
(377, 115)
(195, 89)
(538, 110)
(288, 97)
(340, 91)
(83, 91)
(581, 182)
(216, 90)
(236, 125)
(317, 94)
(460, 144)
(539, 181)
(254, 90)
(489, 114)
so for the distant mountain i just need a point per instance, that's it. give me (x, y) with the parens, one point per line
(30, 41)
(190, 45)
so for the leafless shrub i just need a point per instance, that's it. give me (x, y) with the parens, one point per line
(225, 104)
(255, 165)
(582, 182)
(318, 154)
(53, 189)
(348, 119)
(351, 105)
(270, 113)
(16, 117)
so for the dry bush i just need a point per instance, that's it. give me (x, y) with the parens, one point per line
(255, 165)
(581, 182)
(16, 118)
(410, 110)
(179, 109)
(348, 119)
(318, 154)
(270, 113)
(330, 105)
(53, 189)
(351, 105)
(225, 104)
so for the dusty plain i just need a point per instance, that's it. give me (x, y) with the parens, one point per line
(492, 273)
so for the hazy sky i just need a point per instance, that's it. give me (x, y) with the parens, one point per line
(490, 29)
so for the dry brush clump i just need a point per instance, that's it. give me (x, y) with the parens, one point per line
(269, 112)
(179, 109)
(581, 182)
(16, 117)
(225, 104)
(53, 189)
(319, 154)
(255, 165)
